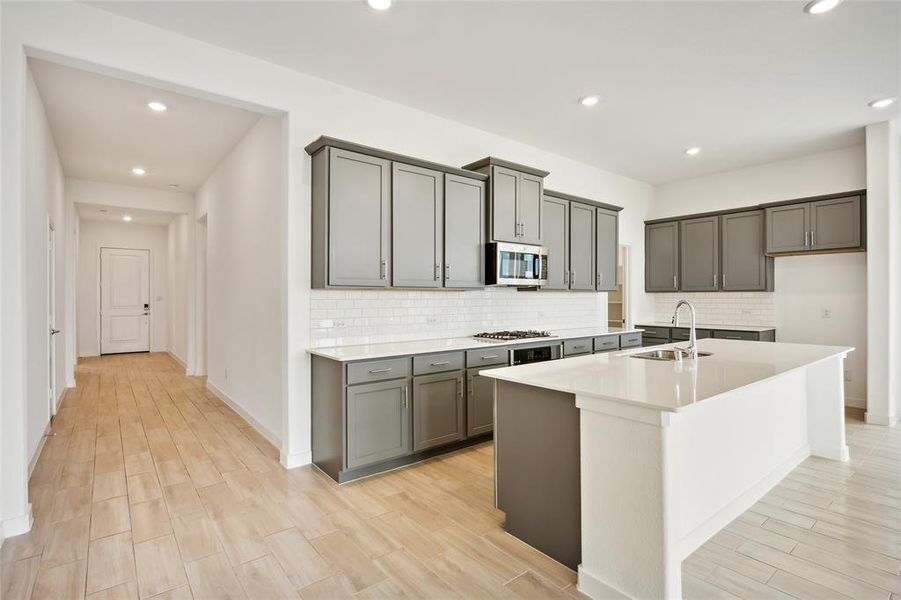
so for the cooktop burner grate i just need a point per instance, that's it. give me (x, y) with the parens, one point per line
(513, 335)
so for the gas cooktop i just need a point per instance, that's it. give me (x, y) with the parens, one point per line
(512, 335)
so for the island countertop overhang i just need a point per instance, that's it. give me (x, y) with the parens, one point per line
(669, 386)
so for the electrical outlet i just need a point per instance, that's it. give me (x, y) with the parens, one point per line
(827, 313)
(847, 375)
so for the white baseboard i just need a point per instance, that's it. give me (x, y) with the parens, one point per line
(292, 461)
(881, 419)
(178, 359)
(32, 463)
(593, 587)
(16, 525)
(275, 440)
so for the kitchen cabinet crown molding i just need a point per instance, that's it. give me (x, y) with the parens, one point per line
(325, 141)
(573, 198)
(492, 161)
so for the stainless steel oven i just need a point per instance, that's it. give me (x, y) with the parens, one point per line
(537, 352)
(515, 264)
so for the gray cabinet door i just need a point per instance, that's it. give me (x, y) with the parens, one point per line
(835, 223)
(743, 244)
(417, 209)
(556, 240)
(438, 410)
(378, 421)
(606, 250)
(479, 403)
(661, 256)
(358, 222)
(700, 250)
(531, 192)
(464, 232)
(581, 246)
(788, 228)
(504, 202)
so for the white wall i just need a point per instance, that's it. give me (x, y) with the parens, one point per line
(94, 235)
(242, 201)
(44, 191)
(179, 255)
(805, 285)
(128, 196)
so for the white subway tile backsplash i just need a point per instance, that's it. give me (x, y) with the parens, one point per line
(721, 308)
(370, 316)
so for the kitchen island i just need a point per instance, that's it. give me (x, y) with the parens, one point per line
(623, 466)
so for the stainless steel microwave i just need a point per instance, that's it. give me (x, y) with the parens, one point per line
(515, 264)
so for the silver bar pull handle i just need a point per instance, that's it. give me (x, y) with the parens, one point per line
(674, 282)
(489, 356)
(813, 239)
(383, 268)
(806, 237)
(440, 363)
(405, 396)
(374, 371)
(447, 272)
(724, 281)
(572, 277)
(714, 281)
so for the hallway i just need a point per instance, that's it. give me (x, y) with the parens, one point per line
(152, 487)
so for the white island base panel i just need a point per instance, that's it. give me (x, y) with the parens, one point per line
(656, 485)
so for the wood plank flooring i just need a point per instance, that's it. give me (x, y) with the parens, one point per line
(151, 487)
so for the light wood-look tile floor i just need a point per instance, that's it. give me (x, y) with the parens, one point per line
(153, 488)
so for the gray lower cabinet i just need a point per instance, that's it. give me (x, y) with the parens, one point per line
(699, 254)
(745, 265)
(581, 246)
(661, 257)
(378, 421)
(835, 224)
(417, 209)
(438, 410)
(606, 249)
(356, 205)
(556, 240)
(788, 228)
(656, 334)
(479, 403)
(464, 232)
(577, 346)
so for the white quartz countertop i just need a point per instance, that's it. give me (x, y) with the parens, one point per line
(668, 385)
(683, 324)
(383, 350)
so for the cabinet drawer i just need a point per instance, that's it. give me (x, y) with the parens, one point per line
(487, 356)
(630, 340)
(682, 333)
(654, 332)
(650, 341)
(751, 336)
(575, 347)
(378, 370)
(606, 343)
(437, 363)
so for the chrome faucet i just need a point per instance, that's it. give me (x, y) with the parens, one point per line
(692, 349)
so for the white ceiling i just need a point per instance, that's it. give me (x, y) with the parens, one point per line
(102, 128)
(98, 212)
(750, 82)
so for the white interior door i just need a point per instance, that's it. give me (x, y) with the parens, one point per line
(124, 300)
(51, 317)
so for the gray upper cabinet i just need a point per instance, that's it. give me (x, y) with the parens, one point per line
(835, 223)
(581, 246)
(479, 403)
(531, 190)
(378, 422)
(745, 264)
(417, 208)
(358, 219)
(438, 410)
(788, 228)
(504, 202)
(556, 240)
(699, 246)
(607, 249)
(661, 243)
(464, 232)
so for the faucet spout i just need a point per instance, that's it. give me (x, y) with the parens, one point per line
(692, 349)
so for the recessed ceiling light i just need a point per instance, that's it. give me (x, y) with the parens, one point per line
(127, 218)
(882, 103)
(379, 4)
(138, 171)
(157, 106)
(588, 100)
(693, 151)
(818, 7)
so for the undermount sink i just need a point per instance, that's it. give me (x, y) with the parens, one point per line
(667, 355)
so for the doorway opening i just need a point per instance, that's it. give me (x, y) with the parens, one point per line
(200, 314)
(618, 301)
(124, 300)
